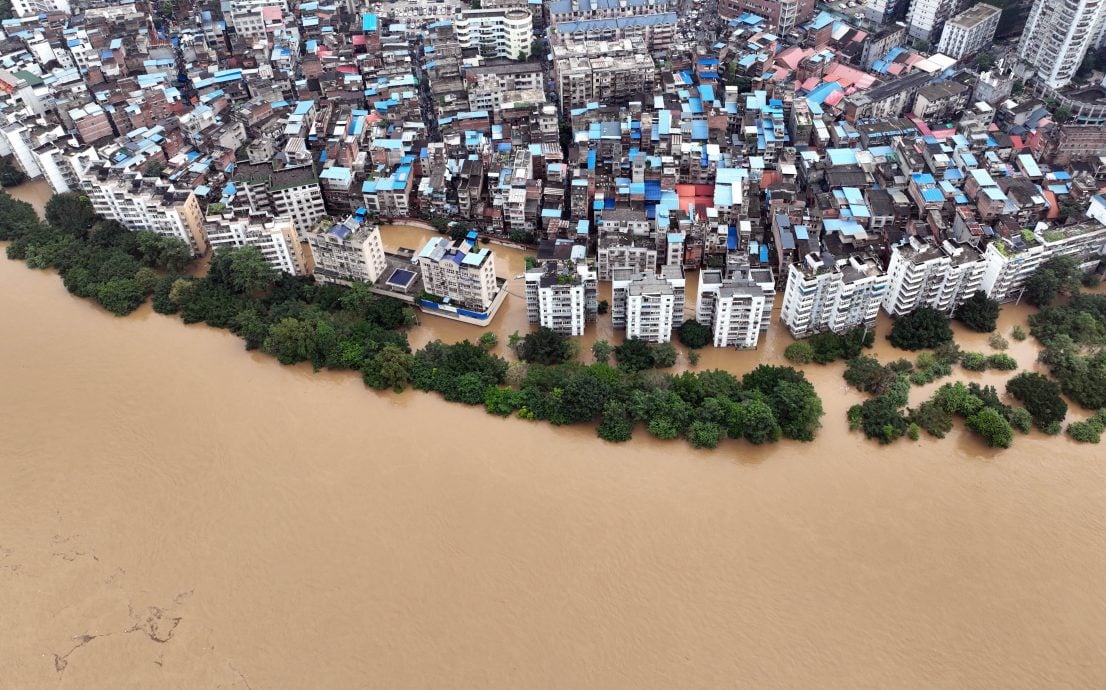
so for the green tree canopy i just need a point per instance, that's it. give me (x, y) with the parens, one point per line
(694, 334)
(1059, 275)
(70, 212)
(545, 346)
(1040, 396)
(979, 313)
(924, 327)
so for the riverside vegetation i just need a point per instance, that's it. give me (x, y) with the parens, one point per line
(335, 327)
(1074, 340)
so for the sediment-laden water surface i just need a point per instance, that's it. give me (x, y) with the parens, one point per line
(180, 513)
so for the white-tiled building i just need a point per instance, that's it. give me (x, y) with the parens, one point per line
(146, 204)
(347, 252)
(970, 31)
(733, 309)
(275, 238)
(646, 305)
(291, 192)
(499, 32)
(461, 273)
(1056, 37)
(1010, 261)
(828, 294)
(562, 293)
(925, 274)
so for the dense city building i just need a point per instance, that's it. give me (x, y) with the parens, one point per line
(347, 252)
(970, 31)
(460, 274)
(1056, 37)
(884, 154)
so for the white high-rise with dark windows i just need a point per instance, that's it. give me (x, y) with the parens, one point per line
(1057, 36)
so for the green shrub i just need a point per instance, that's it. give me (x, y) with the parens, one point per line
(1085, 432)
(1002, 362)
(1020, 419)
(930, 416)
(974, 361)
(992, 427)
(799, 352)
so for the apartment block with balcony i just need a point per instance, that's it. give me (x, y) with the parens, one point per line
(1056, 37)
(925, 18)
(825, 293)
(347, 252)
(496, 33)
(647, 305)
(275, 238)
(461, 274)
(609, 72)
(926, 274)
(783, 16)
(562, 291)
(148, 204)
(733, 309)
(292, 192)
(1011, 260)
(970, 31)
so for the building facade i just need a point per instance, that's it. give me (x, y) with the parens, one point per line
(496, 33)
(291, 192)
(1010, 261)
(970, 31)
(275, 238)
(924, 274)
(461, 274)
(646, 305)
(782, 16)
(562, 295)
(925, 18)
(146, 204)
(348, 252)
(733, 310)
(1056, 37)
(828, 294)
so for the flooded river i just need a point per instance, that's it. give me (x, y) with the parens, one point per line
(180, 513)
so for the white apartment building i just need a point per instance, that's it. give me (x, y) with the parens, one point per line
(609, 72)
(291, 192)
(617, 251)
(486, 84)
(562, 296)
(146, 204)
(461, 274)
(925, 18)
(733, 310)
(32, 8)
(1010, 261)
(16, 138)
(348, 252)
(970, 31)
(646, 305)
(499, 32)
(828, 294)
(1057, 36)
(55, 167)
(762, 278)
(925, 274)
(275, 238)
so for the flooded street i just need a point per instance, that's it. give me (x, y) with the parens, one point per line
(181, 513)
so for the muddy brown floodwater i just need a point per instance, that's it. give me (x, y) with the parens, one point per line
(179, 513)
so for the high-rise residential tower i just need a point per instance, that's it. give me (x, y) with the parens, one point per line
(1057, 36)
